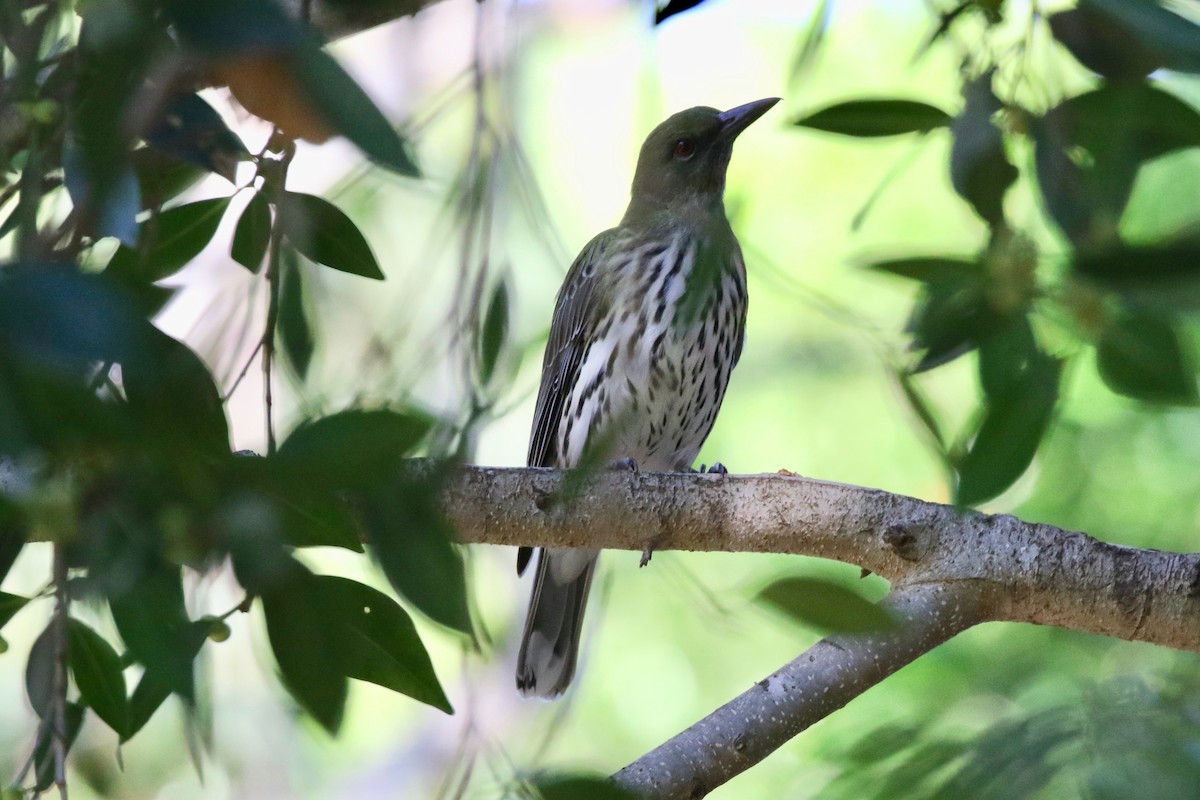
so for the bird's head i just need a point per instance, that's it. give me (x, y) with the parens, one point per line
(685, 158)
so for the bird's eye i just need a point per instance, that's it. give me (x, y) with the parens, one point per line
(685, 149)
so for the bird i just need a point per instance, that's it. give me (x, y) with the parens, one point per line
(646, 330)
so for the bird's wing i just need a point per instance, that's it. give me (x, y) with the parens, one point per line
(576, 315)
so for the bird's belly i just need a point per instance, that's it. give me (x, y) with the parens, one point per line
(655, 401)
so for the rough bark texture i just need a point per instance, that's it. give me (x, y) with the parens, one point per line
(1040, 573)
(833, 672)
(950, 569)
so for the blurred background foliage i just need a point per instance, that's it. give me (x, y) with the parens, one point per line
(972, 258)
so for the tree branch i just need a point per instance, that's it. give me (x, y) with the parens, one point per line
(1038, 573)
(950, 569)
(833, 672)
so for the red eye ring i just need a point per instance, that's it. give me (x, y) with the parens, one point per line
(685, 149)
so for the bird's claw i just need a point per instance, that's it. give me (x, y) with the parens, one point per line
(624, 464)
(647, 552)
(716, 469)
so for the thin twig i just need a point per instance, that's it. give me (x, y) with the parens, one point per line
(58, 699)
(276, 186)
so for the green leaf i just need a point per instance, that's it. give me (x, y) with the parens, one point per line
(580, 787)
(44, 758)
(253, 233)
(870, 118)
(411, 540)
(169, 241)
(931, 269)
(10, 604)
(173, 397)
(98, 674)
(826, 605)
(191, 130)
(810, 43)
(1011, 431)
(1165, 276)
(1090, 147)
(294, 331)
(323, 233)
(152, 690)
(1102, 45)
(948, 320)
(1142, 357)
(1008, 357)
(153, 622)
(352, 449)
(39, 672)
(306, 647)
(1173, 38)
(348, 109)
(378, 642)
(979, 168)
(494, 332)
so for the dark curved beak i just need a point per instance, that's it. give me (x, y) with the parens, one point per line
(736, 120)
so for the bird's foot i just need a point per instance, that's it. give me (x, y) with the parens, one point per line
(647, 552)
(624, 464)
(716, 469)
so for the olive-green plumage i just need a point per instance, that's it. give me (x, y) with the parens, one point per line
(647, 328)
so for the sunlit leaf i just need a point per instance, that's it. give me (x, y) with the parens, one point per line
(378, 642)
(321, 232)
(826, 605)
(253, 233)
(870, 118)
(97, 671)
(1142, 357)
(169, 242)
(295, 332)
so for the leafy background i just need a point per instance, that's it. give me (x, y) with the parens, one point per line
(525, 121)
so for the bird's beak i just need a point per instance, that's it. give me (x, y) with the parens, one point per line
(736, 120)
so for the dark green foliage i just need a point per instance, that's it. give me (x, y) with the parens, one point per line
(1128, 300)
(295, 331)
(579, 787)
(253, 233)
(324, 234)
(871, 118)
(825, 605)
(128, 424)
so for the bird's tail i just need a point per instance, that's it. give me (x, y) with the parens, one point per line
(550, 644)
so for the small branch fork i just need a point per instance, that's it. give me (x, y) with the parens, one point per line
(950, 569)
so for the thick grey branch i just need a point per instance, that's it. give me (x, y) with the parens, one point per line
(746, 730)
(1034, 573)
(950, 569)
